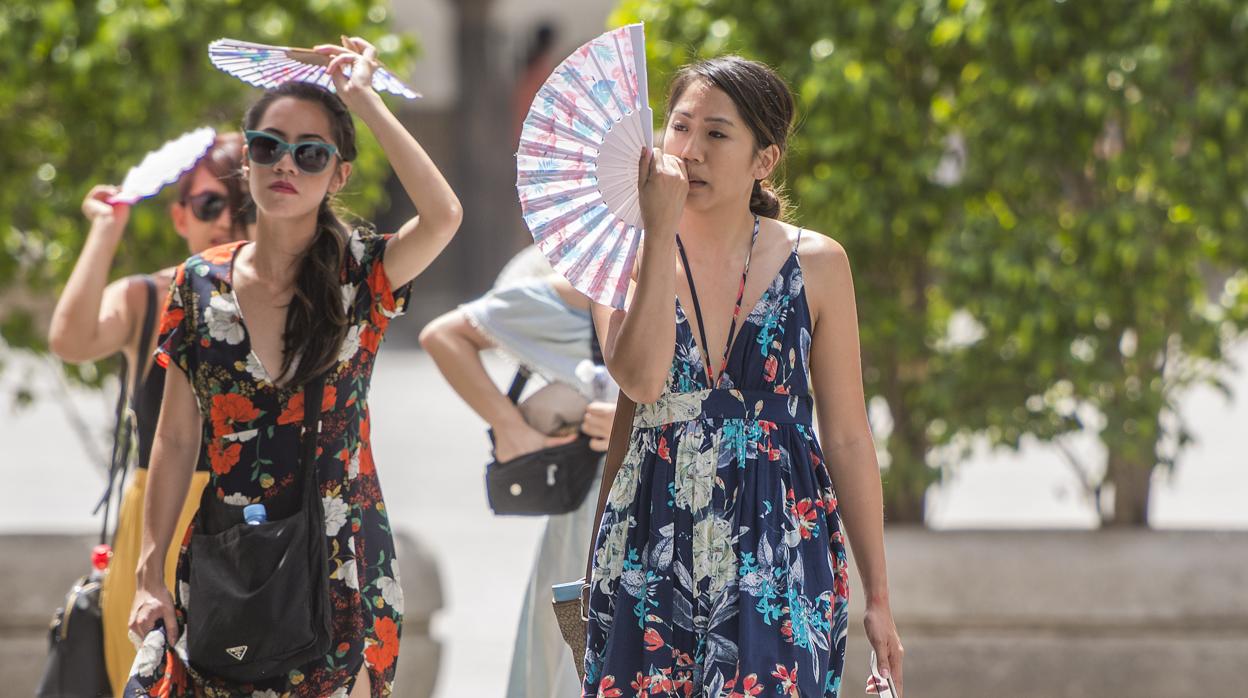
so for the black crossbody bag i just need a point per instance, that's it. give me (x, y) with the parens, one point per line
(553, 480)
(259, 603)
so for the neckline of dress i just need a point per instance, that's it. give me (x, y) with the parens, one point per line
(242, 320)
(732, 347)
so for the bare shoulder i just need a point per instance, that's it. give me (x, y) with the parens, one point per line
(825, 270)
(824, 260)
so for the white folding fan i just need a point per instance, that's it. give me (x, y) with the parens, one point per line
(164, 165)
(577, 163)
(268, 66)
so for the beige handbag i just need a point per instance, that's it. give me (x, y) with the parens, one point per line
(569, 598)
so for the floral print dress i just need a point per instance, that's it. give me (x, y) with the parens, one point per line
(250, 441)
(720, 568)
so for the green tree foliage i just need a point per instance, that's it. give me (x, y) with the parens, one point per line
(1066, 178)
(1103, 247)
(89, 87)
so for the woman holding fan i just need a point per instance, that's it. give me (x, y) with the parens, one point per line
(94, 319)
(305, 304)
(720, 567)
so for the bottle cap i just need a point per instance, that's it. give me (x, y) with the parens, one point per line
(255, 512)
(100, 555)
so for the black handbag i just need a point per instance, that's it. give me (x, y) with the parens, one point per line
(259, 603)
(75, 665)
(553, 480)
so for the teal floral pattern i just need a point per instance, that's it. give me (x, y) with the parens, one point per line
(720, 568)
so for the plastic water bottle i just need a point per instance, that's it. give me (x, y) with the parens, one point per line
(255, 514)
(100, 555)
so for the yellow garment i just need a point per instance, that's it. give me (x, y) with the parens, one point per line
(117, 593)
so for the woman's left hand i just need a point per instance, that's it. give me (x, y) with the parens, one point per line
(597, 424)
(361, 57)
(882, 634)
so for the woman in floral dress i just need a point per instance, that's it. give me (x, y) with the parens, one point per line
(720, 566)
(254, 323)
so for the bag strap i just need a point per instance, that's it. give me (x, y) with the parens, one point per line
(517, 385)
(617, 448)
(123, 428)
(313, 391)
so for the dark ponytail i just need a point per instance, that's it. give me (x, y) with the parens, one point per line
(316, 322)
(766, 105)
(766, 201)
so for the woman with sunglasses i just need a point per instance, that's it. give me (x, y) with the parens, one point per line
(94, 319)
(308, 299)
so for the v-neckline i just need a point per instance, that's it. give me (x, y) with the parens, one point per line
(242, 320)
(736, 338)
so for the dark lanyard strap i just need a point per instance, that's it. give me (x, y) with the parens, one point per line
(313, 391)
(697, 307)
(123, 426)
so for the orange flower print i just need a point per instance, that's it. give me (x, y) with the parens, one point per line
(769, 369)
(607, 689)
(749, 687)
(382, 651)
(169, 319)
(293, 413)
(229, 409)
(805, 515)
(788, 680)
(654, 641)
(379, 288)
(370, 339)
(223, 457)
(221, 254)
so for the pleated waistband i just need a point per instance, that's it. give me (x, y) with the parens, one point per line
(719, 404)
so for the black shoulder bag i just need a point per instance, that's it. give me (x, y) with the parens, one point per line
(553, 480)
(259, 603)
(75, 665)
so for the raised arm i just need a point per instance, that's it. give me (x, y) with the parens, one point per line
(94, 318)
(845, 434)
(639, 342)
(174, 452)
(420, 240)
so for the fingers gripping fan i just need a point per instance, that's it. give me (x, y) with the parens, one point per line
(268, 66)
(164, 166)
(577, 163)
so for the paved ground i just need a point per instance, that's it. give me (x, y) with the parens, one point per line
(430, 451)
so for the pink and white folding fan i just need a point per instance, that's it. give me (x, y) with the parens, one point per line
(576, 169)
(268, 66)
(164, 165)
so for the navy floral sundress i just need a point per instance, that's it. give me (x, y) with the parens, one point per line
(720, 568)
(249, 423)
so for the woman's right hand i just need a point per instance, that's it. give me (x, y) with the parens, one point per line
(518, 439)
(151, 605)
(662, 184)
(97, 209)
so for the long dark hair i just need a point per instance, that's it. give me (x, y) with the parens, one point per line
(225, 161)
(316, 322)
(764, 101)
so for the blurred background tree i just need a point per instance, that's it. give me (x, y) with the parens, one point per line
(89, 87)
(1103, 249)
(1042, 202)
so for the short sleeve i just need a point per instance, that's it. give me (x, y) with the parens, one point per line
(366, 272)
(176, 333)
(530, 322)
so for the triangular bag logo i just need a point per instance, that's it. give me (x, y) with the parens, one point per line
(237, 652)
